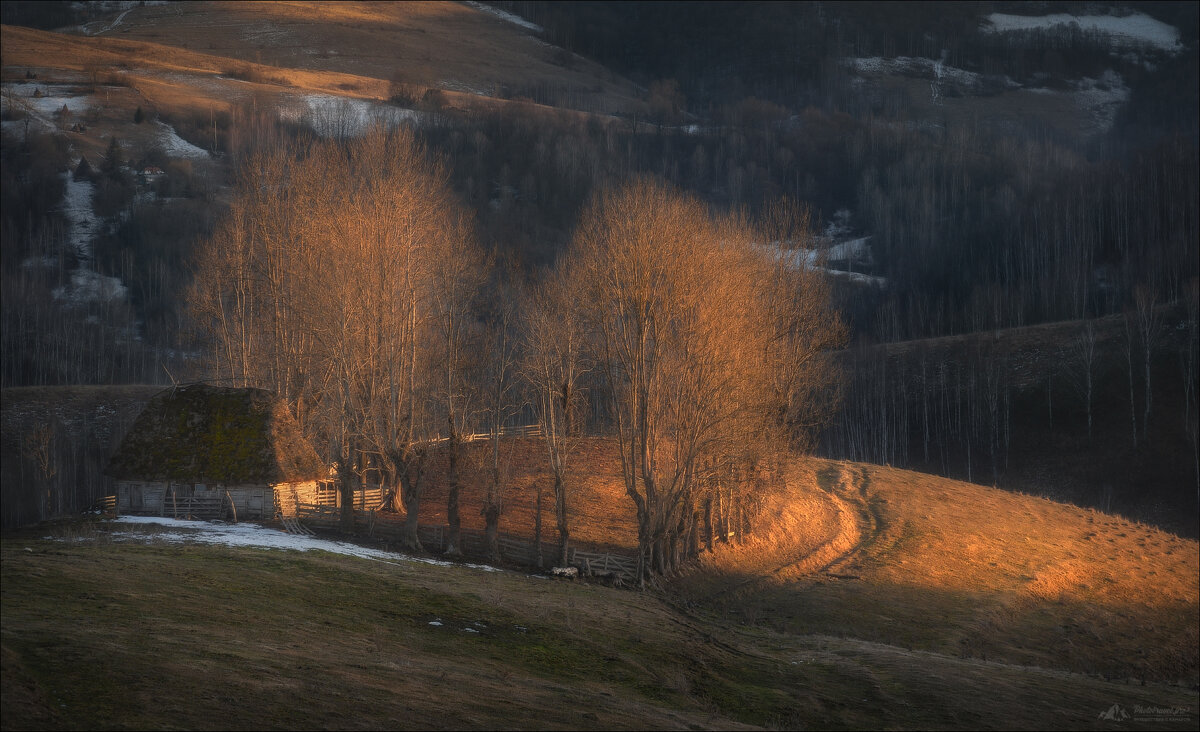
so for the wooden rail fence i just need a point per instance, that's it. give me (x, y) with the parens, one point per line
(107, 505)
(473, 542)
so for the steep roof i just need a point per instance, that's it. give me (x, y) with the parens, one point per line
(213, 434)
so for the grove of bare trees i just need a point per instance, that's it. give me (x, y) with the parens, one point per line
(690, 322)
(346, 279)
(339, 280)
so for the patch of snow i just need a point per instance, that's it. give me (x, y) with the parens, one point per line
(1101, 98)
(856, 251)
(331, 116)
(436, 623)
(851, 250)
(459, 86)
(89, 286)
(839, 226)
(116, 21)
(175, 146)
(1134, 29)
(926, 68)
(49, 100)
(254, 535)
(82, 222)
(518, 20)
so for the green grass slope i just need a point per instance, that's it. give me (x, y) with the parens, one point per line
(101, 631)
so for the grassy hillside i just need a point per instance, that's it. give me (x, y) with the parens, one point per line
(967, 571)
(104, 630)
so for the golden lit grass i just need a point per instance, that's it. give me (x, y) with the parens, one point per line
(795, 533)
(26, 47)
(154, 51)
(99, 633)
(601, 513)
(433, 44)
(963, 569)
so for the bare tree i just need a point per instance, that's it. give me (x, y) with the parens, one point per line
(497, 382)
(680, 312)
(1149, 327)
(553, 367)
(40, 446)
(1129, 344)
(321, 285)
(1081, 360)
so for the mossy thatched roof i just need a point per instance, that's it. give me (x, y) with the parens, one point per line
(212, 434)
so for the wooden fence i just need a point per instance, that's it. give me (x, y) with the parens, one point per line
(106, 505)
(525, 430)
(604, 563)
(473, 542)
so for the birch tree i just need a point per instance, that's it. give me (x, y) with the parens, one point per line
(678, 308)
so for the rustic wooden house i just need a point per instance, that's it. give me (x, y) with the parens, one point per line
(209, 452)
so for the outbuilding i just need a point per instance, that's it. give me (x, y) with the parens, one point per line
(210, 452)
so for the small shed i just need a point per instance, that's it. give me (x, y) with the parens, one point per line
(210, 452)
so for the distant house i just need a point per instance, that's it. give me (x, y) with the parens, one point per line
(150, 173)
(210, 452)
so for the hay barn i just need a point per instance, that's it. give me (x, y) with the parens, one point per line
(215, 453)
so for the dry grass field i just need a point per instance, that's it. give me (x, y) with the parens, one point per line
(601, 514)
(973, 572)
(203, 55)
(907, 559)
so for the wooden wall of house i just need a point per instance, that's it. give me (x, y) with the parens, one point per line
(256, 502)
(200, 500)
(323, 493)
(312, 492)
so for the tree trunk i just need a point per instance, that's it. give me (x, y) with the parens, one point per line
(537, 527)
(560, 517)
(411, 470)
(491, 517)
(708, 523)
(453, 519)
(347, 482)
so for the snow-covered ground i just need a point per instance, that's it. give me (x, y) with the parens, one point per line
(1137, 29)
(44, 108)
(331, 116)
(917, 66)
(177, 147)
(83, 225)
(254, 535)
(1101, 98)
(518, 20)
(82, 222)
(853, 251)
(90, 286)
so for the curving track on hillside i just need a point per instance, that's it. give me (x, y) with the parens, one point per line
(849, 526)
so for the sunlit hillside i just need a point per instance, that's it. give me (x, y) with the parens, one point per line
(966, 570)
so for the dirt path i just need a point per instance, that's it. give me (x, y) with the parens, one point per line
(813, 533)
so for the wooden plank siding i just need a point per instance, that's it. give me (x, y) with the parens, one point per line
(203, 501)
